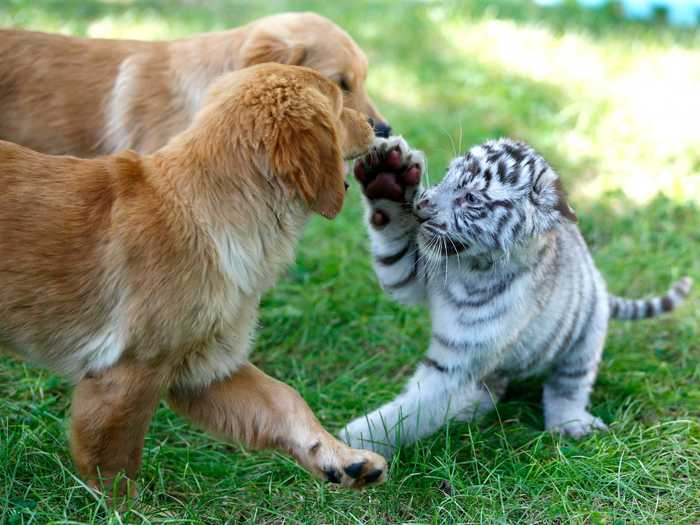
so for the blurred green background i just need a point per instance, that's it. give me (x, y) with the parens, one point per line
(613, 105)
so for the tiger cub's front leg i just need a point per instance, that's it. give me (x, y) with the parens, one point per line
(432, 397)
(390, 177)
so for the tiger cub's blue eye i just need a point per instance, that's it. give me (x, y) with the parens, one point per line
(471, 198)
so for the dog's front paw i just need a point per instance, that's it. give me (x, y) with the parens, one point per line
(391, 170)
(337, 463)
(358, 469)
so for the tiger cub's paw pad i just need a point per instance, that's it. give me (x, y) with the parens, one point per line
(391, 170)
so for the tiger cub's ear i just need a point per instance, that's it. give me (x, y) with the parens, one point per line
(549, 192)
(563, 206)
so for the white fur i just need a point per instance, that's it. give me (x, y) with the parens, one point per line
(116, 135)
(540, 317)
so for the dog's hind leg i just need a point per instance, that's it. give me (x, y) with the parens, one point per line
(111, 412)
(251, 408)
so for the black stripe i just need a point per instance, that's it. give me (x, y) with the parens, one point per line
(406, 280)
(666, 303)
(557, 346)
(501, 224)
(594, 290)
(567, 391)
(496, 291)
(480, 320)
(566, 341)
(493, 157)
(648, 309)
(501, 170)
(539, 175)
(487, 176)
(473, 167)
(615, 307)
(589, 316)
(573, 374)
(456, 221)
(498, 204)
(434, 364)
(515, 174)
(490, 292)
(388, 260)
(514, 152)
(456, 345)
(635, 310)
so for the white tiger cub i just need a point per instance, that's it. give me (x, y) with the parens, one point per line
(512, 289)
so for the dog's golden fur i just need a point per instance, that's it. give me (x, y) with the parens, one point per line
(87, 97)
(138, 276)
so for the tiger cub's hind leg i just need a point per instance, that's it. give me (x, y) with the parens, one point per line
(567, 390)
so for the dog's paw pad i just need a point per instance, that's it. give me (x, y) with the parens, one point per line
(332, 475)
(373, 476)
(355, 469)
(367, 469)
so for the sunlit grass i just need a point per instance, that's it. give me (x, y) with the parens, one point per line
(122, 27)
(635, 106)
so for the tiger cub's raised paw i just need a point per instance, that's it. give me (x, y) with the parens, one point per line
(391, 170)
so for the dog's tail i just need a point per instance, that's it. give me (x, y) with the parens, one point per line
(631, 309)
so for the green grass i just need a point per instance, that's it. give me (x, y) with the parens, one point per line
(613, 105)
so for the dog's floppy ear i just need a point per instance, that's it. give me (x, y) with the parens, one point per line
(305, 153)
(262, 46)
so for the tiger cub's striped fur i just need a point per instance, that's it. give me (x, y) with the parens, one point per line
(513, 292)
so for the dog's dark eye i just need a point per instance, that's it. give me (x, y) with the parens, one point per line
(471, 198)
(344, 84)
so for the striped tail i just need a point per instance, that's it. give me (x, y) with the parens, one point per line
(630, 309)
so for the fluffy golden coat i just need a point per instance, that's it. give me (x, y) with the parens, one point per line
(139, 276)
(87, 97)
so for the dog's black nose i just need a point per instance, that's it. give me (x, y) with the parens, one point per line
(382, 129)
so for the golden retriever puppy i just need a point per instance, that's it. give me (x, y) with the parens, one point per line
(140, 276)
(88, 97)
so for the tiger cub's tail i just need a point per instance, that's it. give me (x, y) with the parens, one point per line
(631, 309)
